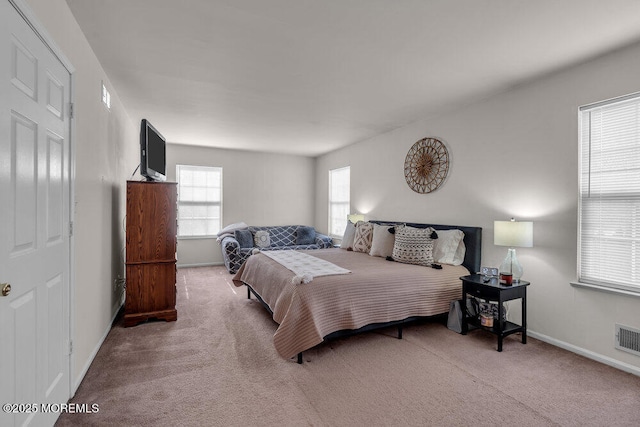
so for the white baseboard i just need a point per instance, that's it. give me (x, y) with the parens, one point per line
(204, 264)
(635, 370)
(87, 365)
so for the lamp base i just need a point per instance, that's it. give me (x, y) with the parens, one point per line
(510, 269)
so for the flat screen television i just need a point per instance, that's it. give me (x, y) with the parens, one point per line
(153, 162)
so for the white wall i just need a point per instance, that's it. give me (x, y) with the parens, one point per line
(106, 149)
(258, 188)
(514, 155)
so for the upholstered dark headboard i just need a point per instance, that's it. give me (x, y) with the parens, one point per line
(472, 241)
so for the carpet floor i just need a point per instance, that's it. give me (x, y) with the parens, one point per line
(216, 366)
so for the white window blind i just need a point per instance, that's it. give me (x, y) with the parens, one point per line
(199, 200)
(339, 192)
(609, 222)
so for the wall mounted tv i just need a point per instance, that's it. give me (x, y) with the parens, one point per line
(153, 164)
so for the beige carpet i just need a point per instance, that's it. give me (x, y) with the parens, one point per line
(216, 366)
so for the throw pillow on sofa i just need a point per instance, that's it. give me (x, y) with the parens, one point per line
(305, 235)
(244, 238)
(262, 239)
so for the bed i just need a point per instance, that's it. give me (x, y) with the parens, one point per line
(376, 292)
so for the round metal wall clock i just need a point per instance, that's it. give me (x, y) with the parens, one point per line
(426, 165)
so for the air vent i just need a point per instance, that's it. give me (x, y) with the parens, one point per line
(628, 339)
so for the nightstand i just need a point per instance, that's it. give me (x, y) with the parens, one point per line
(490, 289)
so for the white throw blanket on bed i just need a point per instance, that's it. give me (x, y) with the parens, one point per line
(304, 266)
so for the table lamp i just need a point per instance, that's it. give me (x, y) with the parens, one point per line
(354, 218)
(512, 234)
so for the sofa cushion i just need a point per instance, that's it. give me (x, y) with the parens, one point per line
(291, 248)
(305, 235)
(279, 235)
(244, 238)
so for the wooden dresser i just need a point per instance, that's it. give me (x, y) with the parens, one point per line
(151, 252)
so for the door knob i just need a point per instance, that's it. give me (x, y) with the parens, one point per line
(6, 288)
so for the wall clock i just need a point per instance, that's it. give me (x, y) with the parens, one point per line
(426, 165)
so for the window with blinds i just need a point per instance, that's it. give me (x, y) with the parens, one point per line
(609, 205)
(199, 200)
(339, 202)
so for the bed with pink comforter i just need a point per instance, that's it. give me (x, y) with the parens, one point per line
(376, 291)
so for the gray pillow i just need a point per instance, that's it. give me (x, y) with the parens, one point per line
(305, 235)
(244, 238)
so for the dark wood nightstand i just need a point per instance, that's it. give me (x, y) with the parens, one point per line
(490, 289)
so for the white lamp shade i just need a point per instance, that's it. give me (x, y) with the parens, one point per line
(354, 218)
(513, 233)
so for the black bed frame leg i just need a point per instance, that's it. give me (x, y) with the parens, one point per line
(248, 293)
(399, 332)
(300, 358)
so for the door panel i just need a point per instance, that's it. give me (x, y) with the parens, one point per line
(55, 210)
(24, 69)
(34, 222)
(23, 183)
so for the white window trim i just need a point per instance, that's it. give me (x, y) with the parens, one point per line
(183, 203)
(599, 283)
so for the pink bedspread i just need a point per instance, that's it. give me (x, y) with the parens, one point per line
(376, 291)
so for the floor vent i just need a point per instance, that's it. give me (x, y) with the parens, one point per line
(628, 339)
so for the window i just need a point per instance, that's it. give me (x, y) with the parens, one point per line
(339, 183)
(609, 211)
(199, 200)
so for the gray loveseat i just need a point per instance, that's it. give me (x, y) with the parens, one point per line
(238, 247)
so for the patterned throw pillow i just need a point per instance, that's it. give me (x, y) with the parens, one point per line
(262, 239)
(413, 246)
(363, 238)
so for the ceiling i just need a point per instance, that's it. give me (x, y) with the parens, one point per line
(309, 76)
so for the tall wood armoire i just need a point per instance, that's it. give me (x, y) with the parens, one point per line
(151, 251)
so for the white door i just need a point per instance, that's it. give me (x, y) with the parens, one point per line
(34, 224)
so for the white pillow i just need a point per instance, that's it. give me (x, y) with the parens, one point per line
(382, 243)
(349, 235)
(449, 247)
